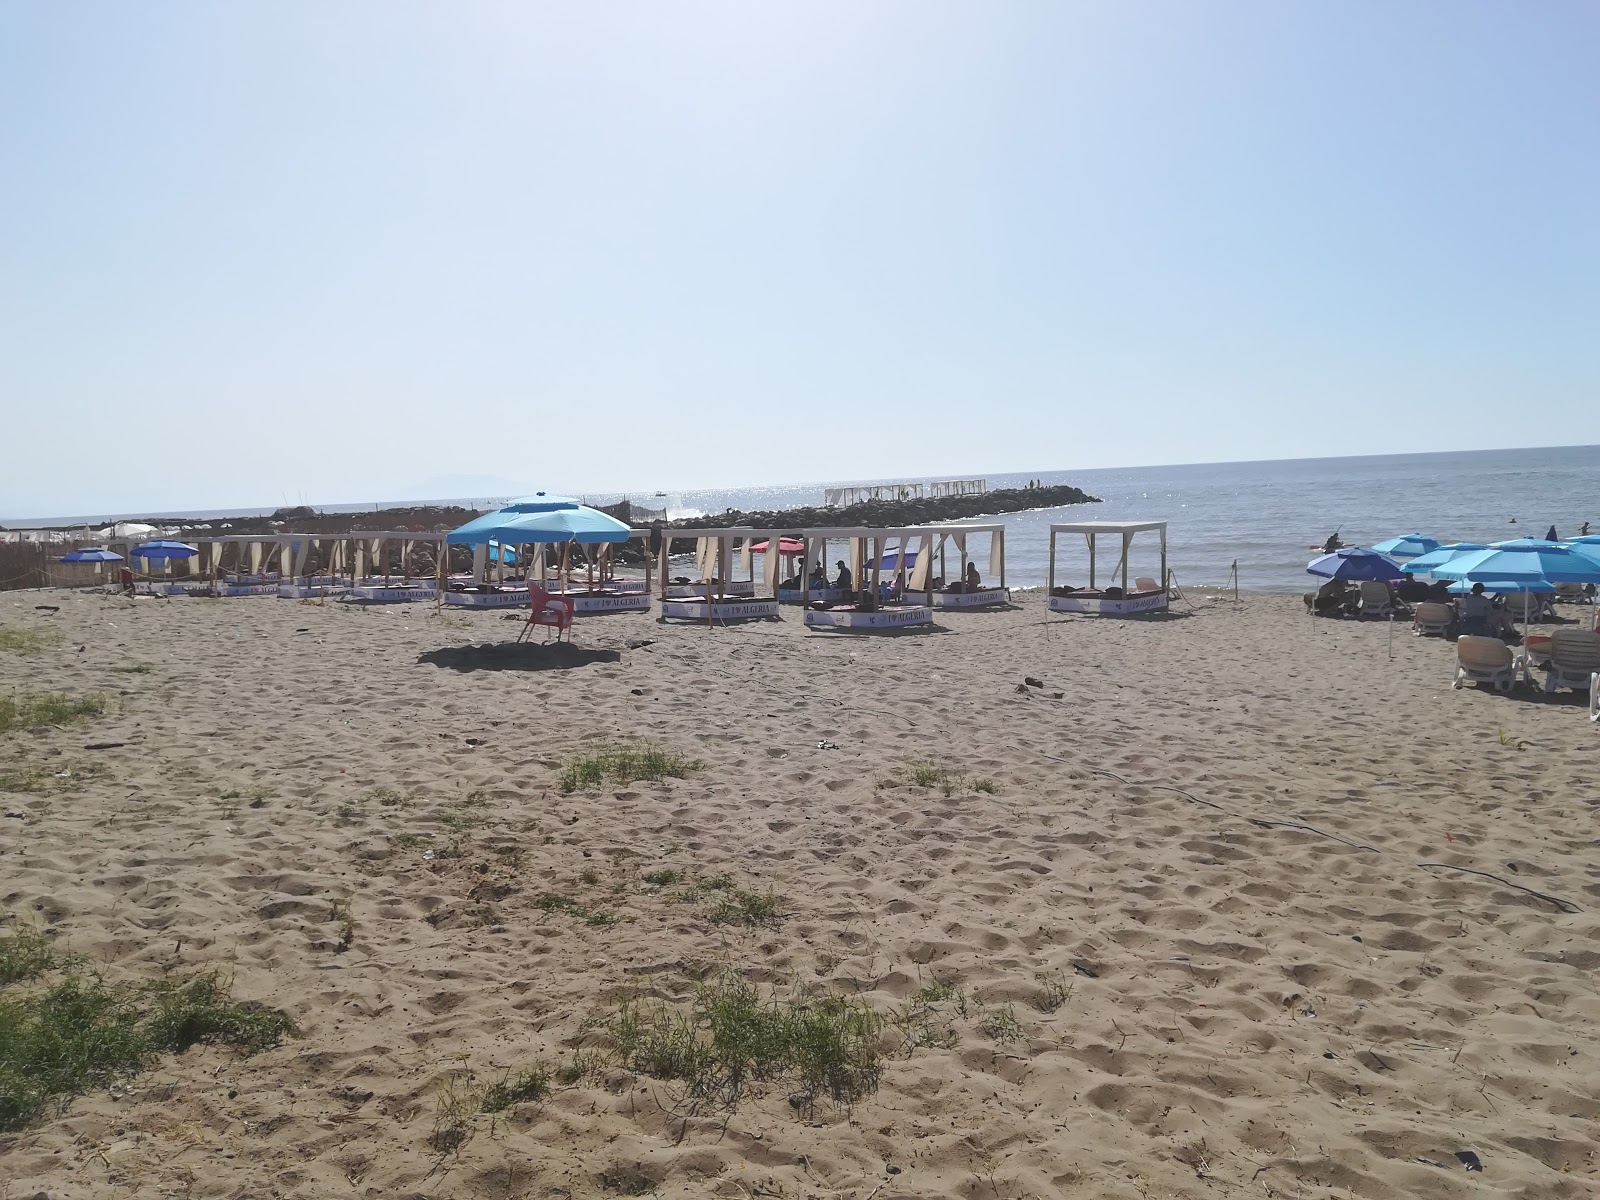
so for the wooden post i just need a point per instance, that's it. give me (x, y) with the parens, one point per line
(1050, 571)
(1127, 540)
(1001, 534)
(1091, 562)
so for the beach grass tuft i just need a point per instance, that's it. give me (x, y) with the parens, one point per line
(34, 710)
(554, 902)
(731, 1036)
(82, 1031)
(1001, 1026)
(623, 764)
(28, 641)
(948, 780)
(755, 909)
(461, 1100)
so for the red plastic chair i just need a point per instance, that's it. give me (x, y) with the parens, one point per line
(545, 609)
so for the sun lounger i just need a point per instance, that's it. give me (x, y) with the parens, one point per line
(1574, 658)
(1432, 617)
(1484, 660)
(1375, 601)
(1145, 584)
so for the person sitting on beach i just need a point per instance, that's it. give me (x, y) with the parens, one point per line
(819, 579)
(791, 584)
(1478, 616)
(845, 581)
(974, 580)
(1413, 591)
(1332, 599)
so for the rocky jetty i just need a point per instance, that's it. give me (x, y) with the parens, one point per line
(889, 514)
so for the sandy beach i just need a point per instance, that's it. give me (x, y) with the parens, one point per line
(1213, 932)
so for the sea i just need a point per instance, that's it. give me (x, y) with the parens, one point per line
(1257, 522)
(1250, 523)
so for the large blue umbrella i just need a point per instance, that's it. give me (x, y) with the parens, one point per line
(92, 554)
(1355, 562)
(572, 522)
(1524, 560)
(1424, 564)
(160, 550)
(1408, 545)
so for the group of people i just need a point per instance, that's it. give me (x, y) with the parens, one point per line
(1476, 612)
(865, 598)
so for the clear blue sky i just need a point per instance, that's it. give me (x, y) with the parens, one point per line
(359, 250)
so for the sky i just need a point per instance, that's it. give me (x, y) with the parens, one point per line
(263, 252)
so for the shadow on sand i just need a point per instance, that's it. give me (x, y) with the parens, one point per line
(518, 656)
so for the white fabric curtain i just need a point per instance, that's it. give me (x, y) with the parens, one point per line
(997, 558)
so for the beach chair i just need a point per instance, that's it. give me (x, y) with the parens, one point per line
(1571, 593)
(1375, 600)
(1484, 660)
(1145, 584)
(1574, 658)
(553, 611)
(1430, 616)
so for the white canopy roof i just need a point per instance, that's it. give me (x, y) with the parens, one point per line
(1107, 526)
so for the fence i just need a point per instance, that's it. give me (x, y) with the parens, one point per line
(846, 496)
(31, 565)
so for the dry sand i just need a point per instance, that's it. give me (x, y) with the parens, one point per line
(1270, 994)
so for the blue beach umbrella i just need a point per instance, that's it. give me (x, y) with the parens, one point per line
(92, 554)
(891, 561)
(1408, 545)
(164, 550)
(577, 523)
(1355, 563)
(1521, 561)
(1424, 564)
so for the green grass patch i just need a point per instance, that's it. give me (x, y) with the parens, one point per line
(25, 953)
(755, 909)
(665, 877)
(82, 1031)
(947, 780)
(28, 641)
(732, 1037)
(461, 1100)
(552, 902)
(522, 1087)
(34, 710)
(1001, 1026)
(623, 764)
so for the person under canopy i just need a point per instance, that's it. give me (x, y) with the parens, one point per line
(845, 580)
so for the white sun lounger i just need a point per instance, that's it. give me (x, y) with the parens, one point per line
(1574, 658)
(1432, 617)
(1484, 660)
(1375, 600)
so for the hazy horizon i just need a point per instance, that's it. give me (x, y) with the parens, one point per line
(646, 495)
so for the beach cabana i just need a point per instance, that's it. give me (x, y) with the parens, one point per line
(534, 527)
(869, 553)
(719, 556)
(943, 591)
(1121, 596)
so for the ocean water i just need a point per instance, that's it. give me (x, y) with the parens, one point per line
(1262, 517)
(1265, 516)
